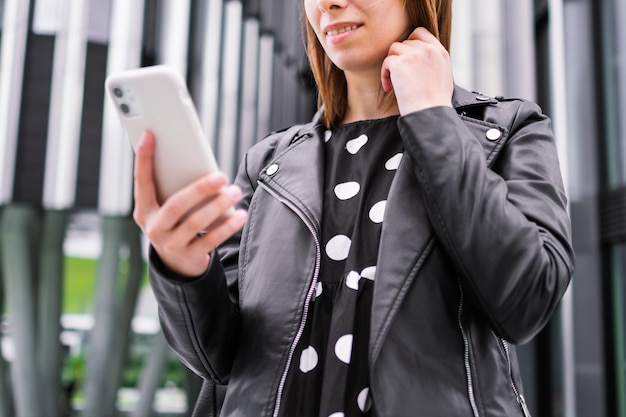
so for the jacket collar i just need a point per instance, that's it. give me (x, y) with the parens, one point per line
(461, 98)
(308, 172)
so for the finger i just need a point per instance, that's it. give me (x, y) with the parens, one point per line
(222, 231)
(423, 34)
(427, 49)
(395, 50)
(177, 207)
(204, 188)
(399, 48)
(385, 75)
(144, 189)
(206, 217)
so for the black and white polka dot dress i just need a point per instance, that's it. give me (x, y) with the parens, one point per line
(329, 374)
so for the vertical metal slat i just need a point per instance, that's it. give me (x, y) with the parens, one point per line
(13, 52)
(229, 97)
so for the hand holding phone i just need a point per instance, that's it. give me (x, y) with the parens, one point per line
(183, 203)
(192, 222)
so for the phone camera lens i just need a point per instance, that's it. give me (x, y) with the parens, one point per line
(125, 109)
(118, 92)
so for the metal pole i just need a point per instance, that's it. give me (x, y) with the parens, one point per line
(612, 16)
(152, 375)
(6, 400)
(66, 104)
(559, 120)
(618, 282)
(250, 85)
(129, 284)
(13, 52)
(618, 311)
(462, 48)
(174, 39)
(487, 52)
(266, 84)
(519, 71)
(229, 98)
(20, 226)
(99, 400)
(117, 289)
(50, 305)
(208, 97)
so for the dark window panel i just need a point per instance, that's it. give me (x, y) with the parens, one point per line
(33, 127)
(87, 180)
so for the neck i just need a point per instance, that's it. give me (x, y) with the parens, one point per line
(367, 100)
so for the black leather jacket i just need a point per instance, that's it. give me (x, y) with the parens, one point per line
(474, 256)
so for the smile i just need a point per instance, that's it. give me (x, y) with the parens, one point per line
(341, 30)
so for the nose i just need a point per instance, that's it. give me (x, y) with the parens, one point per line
(327, 5)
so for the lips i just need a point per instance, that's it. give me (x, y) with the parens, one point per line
(341, 30)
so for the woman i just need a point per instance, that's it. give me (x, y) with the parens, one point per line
(393, 250)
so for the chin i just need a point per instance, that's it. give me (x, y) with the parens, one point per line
(356, 62)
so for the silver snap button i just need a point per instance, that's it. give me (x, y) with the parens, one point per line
(482, 97)
(493, 134)
(272, 169)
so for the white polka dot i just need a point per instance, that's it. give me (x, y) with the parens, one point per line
(369, 273)
(352, 280)
(377, 212)
(364, 400)
(327, 135)
(337, 415)
(343, 348)
(355, 145)
(347, 190)
(318, 289)
(393, 163)
(338, 248)
(308, 359)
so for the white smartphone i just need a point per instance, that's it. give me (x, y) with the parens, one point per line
(156, 99)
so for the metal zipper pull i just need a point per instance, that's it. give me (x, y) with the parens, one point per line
(523, 406)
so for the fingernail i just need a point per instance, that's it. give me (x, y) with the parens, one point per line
(216, 179)
(242, 215)
(142, 139)
(234, 192)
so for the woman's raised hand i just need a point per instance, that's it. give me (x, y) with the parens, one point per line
(189, 224)
(419, 71)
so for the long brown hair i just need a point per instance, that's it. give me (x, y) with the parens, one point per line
(434, 15)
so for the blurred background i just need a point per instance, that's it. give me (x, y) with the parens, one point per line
(79, 330)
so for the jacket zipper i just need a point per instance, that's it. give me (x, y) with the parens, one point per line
(466, 358)
(309, 296)
(520, 398)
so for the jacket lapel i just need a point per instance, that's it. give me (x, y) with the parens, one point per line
(407, 237)
(297, 172)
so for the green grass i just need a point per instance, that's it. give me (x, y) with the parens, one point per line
(79, 285)
(80, 281)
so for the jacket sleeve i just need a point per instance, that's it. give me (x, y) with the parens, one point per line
(506, 227)
(200, 317)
